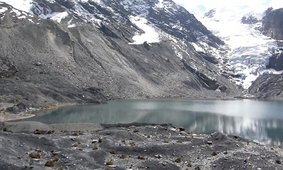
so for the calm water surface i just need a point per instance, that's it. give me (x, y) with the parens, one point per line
(258, 120)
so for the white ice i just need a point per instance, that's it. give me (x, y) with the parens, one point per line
(24, 5)
(150, 34)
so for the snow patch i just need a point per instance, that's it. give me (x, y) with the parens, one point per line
(150, 34)
(160, 4)
(198, 48)
(56, 16)
(23, 5)
(3, 9)
(72, 26)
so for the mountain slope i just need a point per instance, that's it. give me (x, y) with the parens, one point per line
(91, 51)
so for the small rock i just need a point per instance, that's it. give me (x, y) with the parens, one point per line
(49, 163)
(113, 152)
(56, 159)
(123, 156)
(225, 152)
(197, 168)
(94, 148)
(158, 156)
(50, 132)
(38, 64)
(100, 140)
(54, 153)
(109, 162)
(213, 153)
(278, 161)
(34, 155)
(75, 145)
(178, 160)
(214, 165)
(141, 157)
(181, 129)
(39, 132)
(209, 142)
(132, 144)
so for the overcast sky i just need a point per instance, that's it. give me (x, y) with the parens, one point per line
(199, 6)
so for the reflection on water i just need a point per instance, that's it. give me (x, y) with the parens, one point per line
(258, 120)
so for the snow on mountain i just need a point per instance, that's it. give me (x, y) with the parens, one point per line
(150, 35)
(249, 50)
(23, 5)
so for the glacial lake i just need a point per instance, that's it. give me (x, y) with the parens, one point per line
(261, 121)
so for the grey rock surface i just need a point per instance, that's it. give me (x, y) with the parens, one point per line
(268, 87)
(132, 146)
(272, 23)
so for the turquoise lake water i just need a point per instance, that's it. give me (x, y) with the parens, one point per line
(257, 120)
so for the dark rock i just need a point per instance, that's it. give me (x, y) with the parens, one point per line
(213, 153)
(34, 155)
(210, 14)
(276, 62)
(110, 162)
(209, 142)
(249, 20)
(272, 23)
(178, 160)
(268, 87)
(49, 163)
(20, 107)
(141, 157)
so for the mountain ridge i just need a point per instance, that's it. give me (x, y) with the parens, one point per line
(68, 59)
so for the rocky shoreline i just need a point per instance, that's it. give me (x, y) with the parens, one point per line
(26, 145)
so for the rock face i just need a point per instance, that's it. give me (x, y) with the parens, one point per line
(132, 146)
(272, 24)
(276, 61)
(268, 87)
(78, 51)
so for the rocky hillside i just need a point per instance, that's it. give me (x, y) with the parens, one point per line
(92, 51)
(268, 86)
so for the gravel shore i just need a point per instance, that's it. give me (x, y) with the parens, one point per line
(26, 145)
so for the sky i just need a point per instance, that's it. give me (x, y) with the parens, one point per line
(198, 7)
